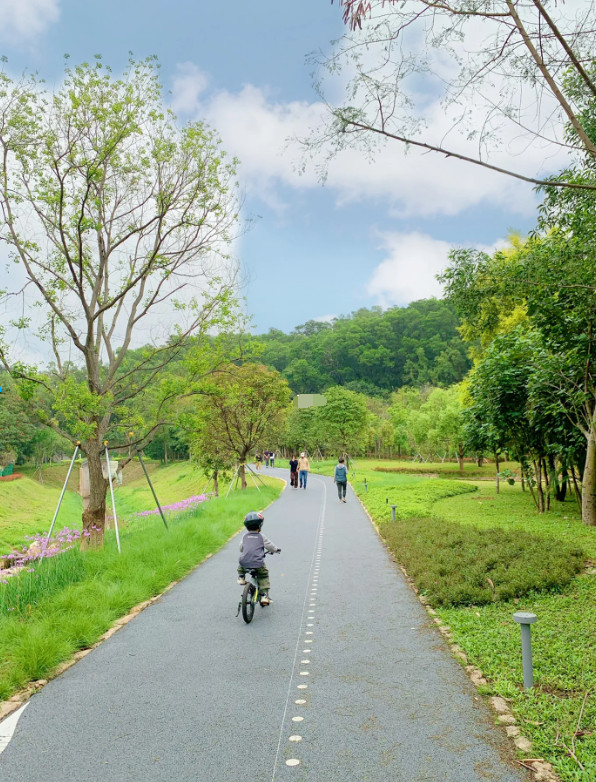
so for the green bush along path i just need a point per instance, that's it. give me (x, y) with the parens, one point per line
(344, 677)
(478, 557)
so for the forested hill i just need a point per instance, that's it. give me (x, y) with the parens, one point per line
(372, 351)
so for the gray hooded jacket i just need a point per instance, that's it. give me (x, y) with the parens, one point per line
(253, 549)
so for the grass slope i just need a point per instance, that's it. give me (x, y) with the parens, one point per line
(27, 507)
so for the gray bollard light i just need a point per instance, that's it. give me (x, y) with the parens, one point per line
(524, 620)
(393, 509)
(365, 485)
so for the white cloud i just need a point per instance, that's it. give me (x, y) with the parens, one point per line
(262, 133)
(26, 19)
(326, 318)
(409, 270)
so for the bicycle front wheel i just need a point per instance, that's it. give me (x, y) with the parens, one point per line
(248, 605)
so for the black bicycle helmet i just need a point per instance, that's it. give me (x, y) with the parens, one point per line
(253, 520)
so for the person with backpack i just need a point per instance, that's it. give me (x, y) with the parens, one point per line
(340, 477)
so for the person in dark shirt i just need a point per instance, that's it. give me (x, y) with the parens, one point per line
(294, 472)
(252, 554)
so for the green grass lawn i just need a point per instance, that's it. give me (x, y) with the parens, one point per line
(27, 508)
(559, 714)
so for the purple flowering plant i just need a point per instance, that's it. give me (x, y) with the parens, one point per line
(176, 507)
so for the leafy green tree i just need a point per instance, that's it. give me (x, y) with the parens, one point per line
(16, 429)
(243, 408)
(344, 420)
(118, 219)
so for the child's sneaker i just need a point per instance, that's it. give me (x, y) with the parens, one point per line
(241, 581)
(265, 600)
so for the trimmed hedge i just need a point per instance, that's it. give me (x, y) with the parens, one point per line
(455, 565)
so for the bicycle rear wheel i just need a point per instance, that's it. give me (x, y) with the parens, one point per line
(248, 605)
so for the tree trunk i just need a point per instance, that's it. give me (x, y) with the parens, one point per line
(94, 515)
(216, 483)
(589, 481)
(523, 477)
(576, 491)
(460, 458)
(497, 467)
(539, 488)
(562, 487)
(243, 476)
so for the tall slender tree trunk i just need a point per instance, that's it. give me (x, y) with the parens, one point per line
(242, 476)
(460, 457)
(94, 515)
(539, 488)
(497, 469)
(523, 477)
(216, 483)
(589, 480)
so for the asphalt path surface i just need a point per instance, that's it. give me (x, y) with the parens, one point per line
(343, 677)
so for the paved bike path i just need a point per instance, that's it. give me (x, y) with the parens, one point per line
(344, 676)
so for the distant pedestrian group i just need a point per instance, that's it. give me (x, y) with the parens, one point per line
(269, 458)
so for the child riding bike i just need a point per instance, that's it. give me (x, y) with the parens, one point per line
(252, 555)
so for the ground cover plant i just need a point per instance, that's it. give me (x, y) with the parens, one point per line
(473, 567)
(34, 642)
(559, 714)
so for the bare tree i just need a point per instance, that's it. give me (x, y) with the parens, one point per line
(120, 220)
(504, 69)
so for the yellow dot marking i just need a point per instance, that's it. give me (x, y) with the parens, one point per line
(309, 632)
(300, 701)
(304, 662)
(302, 687)
(297, 719)
(292, 762)
(308, 641)
(304, 673)
(295, 738)
(311, 624)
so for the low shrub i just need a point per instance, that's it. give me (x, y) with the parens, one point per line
(455, 565)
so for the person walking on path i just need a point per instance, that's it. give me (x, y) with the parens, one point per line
(340, 477)
(266, 458)
(303, 468)
(272, 458)
(252, 554)
(258, 461)
(294, 472)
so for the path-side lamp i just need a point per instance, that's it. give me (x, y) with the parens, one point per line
(393, 509)
(524, 620)
(365, 485)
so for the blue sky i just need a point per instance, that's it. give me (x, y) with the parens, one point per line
(376, 233)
